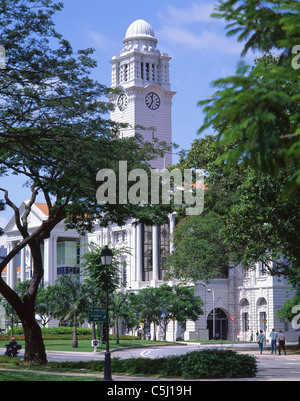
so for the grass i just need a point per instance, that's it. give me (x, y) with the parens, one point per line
(85, 345)
(41, 377)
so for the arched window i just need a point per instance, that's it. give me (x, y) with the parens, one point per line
(261, 301)
(244, 302)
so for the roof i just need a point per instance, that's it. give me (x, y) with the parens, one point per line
(43, 208)
(139, 28)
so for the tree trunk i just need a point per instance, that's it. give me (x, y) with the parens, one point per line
(94, 337)
(117, 331)
(75, 338)
(34, 346)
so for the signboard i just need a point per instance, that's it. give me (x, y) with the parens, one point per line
(95, 343)
(97, 315)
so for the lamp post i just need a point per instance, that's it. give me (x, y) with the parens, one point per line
(106, 260)
(214, 312)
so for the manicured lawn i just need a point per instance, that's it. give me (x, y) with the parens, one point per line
(28, 376)
(85, 345)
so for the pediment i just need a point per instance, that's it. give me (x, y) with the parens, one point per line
(35, 218)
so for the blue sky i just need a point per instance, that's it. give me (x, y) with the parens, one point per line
(197, 43)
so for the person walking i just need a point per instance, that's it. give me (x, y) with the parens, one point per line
(281, 342)
(260, 340)
(273, 336)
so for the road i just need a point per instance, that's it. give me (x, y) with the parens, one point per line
(270, 367)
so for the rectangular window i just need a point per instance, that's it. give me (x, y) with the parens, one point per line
(147, 253)
(163, 248)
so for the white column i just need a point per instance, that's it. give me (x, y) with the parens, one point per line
(54, 259)
(155, 252)
(134, 255)
(129, 257)
(48, 261)
(139, 260)
(11, 275)
(23, 265)
(9, 265)
(172, 218)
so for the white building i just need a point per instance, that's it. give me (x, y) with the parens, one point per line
(242, 301)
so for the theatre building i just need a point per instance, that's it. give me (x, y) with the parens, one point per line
(236, 302)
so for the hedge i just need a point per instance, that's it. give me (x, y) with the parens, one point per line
(193, 365)
(63, 333)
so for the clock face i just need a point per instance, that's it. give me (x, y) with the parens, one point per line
(122, 102)
(152, 101)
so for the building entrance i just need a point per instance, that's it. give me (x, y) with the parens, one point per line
(221, 325)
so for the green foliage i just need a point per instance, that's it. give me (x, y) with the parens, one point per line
(176, 302)
(247, 219)
(193, 365)
(256, 111)
(286, 311)
(104, 277)
(199, 250)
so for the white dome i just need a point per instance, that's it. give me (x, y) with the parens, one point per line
(139, 28)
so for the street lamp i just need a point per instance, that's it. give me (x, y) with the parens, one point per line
(106, 260)
(214, 312)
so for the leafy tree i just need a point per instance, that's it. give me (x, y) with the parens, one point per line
(71, 300)
(286, 312)
(176, 302)
(264, 225)
(130, 316)
(53, 132)
(119, 310)
(246, 220)
(256, 111)
(46, 305)
(179, 303)
(200, 253)
(146, 305)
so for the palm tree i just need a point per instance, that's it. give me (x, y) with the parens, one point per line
(72, 301)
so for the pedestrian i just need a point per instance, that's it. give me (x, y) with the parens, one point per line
(273, 336)
(281, 342)
(260, 340)
(251, 336)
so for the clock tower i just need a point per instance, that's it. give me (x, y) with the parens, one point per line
(141, 73)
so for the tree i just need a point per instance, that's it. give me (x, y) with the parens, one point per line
(118, 308)
(246, 220)
(72, 301)
(256, 111)
(199, 250)
(178, 303)
(45, 306)
(146, 305)
(264, 226)
(288, 311)
(54, 133)
(162, 304)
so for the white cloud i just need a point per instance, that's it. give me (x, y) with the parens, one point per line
(97, 40)
(207, 40)
(194, 13)
(194, 29)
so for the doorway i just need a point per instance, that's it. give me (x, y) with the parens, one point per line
(221, 324)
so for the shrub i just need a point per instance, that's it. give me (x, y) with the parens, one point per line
(198, 364)
(217, 364)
